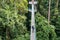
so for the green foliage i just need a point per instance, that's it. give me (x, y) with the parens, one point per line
(55, 12)
(58, 38)
(13, 21)
(22, 37)
(10, 20)
(44, 31)
(0, 38)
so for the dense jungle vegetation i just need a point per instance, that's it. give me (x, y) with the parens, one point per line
(15, 20)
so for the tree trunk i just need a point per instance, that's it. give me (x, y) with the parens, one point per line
(7, 34)
(49, 12)
(57, 2)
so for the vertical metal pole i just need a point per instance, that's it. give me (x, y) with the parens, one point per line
(33, 29)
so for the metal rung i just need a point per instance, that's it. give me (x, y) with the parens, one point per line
(35, 2)
(31, 10)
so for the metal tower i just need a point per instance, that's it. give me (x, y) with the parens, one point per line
(33, 10)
